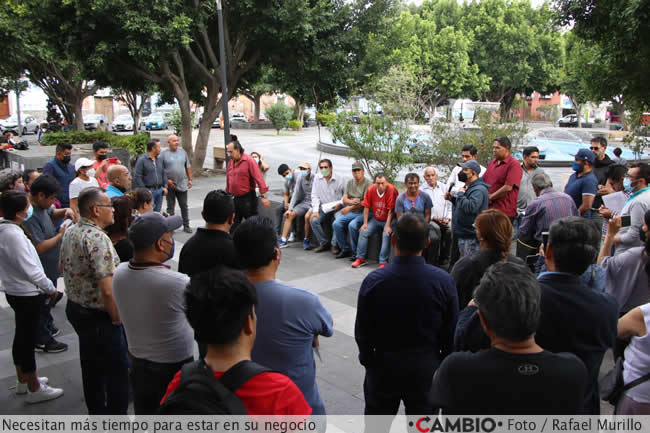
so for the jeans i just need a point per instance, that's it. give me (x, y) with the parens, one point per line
(26, 309)
(172, 195)
(469, 246)
(374, 226)
(150, 380)
(157, 199)
(340, 226)
(104, 363)
(353, 228)
(245, 207)
(46, 322)
(318, 224)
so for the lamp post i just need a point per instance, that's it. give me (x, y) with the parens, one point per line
(224, 82)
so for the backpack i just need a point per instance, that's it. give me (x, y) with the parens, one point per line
(199, 393)
(21, 145)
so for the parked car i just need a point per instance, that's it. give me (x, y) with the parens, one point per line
(568, 121)
(215, 124)
(238, 117)
(262, 118)
(154, 121)
(29, 124)
(123, 122)
(91, 121)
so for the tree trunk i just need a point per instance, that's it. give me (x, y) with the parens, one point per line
(258, 106)
(300, 113)
(78, 116)
(186, 123)
(20, 123)
(211, 111)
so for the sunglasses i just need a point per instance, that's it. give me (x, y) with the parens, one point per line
(594, 148)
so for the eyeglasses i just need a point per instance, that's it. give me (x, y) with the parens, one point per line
(594, 148)
(104, 205)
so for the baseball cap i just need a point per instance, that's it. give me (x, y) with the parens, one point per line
(82, 162)
(146, 229)
(586, 155)
(472, 165)
(304, 165)
(357, 166)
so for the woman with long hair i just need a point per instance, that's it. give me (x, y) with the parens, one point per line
(118, 231)
(142, 200)
(23, 280)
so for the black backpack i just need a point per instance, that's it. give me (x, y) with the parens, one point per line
(199, 393)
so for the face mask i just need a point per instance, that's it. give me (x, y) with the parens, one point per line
(102, 157)
(462, 176)
(170, 254)
(577, 167)
(30, 212)
(627, 185)
(325, 172)
(66, 159)
(91, 173)
(257, 160)
(303, 173)
(289, 177)
(20, 187)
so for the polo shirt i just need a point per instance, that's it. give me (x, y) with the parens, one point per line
(112, 191)
(420, 205)
(500, 173)
(576, 187)
(380, 206)
(64, 174)
(150, 299)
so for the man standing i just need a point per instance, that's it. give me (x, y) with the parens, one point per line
(150, 174)
(63, 172)
(468, 153)
(355, 191)
(468, 203)
(601, 166)
(327, 190)
(179, 179)
(529, 170)
(290, 319)
(102, 162)
(638, 179)
(503, 174)
(242, 176)
(47, 241)
(439, 229)
(378, 209)
(149, 296)
(401, 348)
(119, 181)
(583, 184)
(300, 205)
(88, 261)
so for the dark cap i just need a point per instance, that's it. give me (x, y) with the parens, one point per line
(472, 165)
(146, 229)
(357, 166)
(586, 155)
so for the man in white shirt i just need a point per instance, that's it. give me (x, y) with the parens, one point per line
(439, 228)
(327, 190)
(468, 152)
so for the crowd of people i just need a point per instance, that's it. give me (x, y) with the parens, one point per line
(494, 290)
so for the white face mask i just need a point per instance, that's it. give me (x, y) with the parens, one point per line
(91, 173)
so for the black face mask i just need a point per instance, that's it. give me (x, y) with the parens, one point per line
(66, 159)
(101, 157)
(462, 176)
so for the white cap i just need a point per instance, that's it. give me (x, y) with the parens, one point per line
(82, 162)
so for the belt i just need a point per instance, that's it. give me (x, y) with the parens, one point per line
(153, 186)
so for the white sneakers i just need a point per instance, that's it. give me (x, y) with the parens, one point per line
(292, 237)
(21, 388)
(44, 393)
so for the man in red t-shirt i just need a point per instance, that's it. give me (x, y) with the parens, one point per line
(503, 174)
(378, 212)
(102, 162)
(220, 306)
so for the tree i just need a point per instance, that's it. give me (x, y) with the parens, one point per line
(255, 84)
(134, 101)
(518, 47)
(279, 114)
(621, 29)
(576, 78)
(17, 85)
(53, 117)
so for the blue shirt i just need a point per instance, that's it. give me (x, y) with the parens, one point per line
(288, 319)
(112, 191)
(149, 174)
(579, 186)
(64, 174)
(420, 205)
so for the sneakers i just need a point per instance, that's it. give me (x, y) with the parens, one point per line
(306, 245)
(358, 263)
(292, 237)
(55, 331)
(51, 347)
(283, 243)
(44, 393)
(187, 229)
(21, 388)
(382, 265)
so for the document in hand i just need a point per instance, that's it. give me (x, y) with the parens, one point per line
(615, 201)
(329, 207)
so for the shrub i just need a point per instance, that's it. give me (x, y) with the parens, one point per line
(135, 144)
(325, 118)
(279, 114)
(294, 124)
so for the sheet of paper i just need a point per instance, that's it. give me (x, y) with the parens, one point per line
(329, 207)
(615, 201)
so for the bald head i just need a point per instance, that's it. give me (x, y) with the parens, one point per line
(431, 176)
(172, 142)
(119, 177)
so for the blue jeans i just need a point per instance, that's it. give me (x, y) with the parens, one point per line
(340, 226)
(104, 363)
(317, 224)
(157, 199)
(374, 226)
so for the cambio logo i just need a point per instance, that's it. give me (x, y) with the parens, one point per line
(460, 424)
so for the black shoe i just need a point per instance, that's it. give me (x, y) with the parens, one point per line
(343, 253)
(323, 247)
(51, 347)
(187, 229)
(335, 249)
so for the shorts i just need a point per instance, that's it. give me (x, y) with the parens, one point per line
(302, 208)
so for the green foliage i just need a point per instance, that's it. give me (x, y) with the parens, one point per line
(325, 118)
(295, 124)
(135, 144)
(176, 122)
(279, 114)
(53, 116)
(381, 144)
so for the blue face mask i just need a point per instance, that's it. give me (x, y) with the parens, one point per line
(303, 173)
(289, 177)
(30, 212)
(577, 167)
(627, 185)
(170, 254)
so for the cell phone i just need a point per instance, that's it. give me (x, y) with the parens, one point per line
(626, 220)
(113, 160)
(545, 239)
